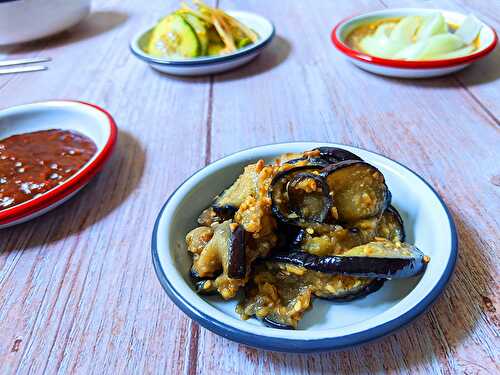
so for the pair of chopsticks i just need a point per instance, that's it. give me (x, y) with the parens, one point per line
(6, 65)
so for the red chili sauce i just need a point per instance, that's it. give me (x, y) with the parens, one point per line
(33, 163)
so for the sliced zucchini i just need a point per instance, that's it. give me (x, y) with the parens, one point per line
(244, 42)
(358, 188)
(200, 29)
(215, 49)
(175, 37)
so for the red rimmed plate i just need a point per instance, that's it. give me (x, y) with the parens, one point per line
(85, 118)
(488, 39)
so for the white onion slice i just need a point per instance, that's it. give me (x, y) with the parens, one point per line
(469, 29)
(432, 25)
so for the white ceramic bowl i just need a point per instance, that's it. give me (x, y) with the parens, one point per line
(327, 325)
(86, 118)
(25, 20)
(404, 68)
(215, 64)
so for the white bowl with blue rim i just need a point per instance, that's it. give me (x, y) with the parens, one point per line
(209, 64)
(327, 325)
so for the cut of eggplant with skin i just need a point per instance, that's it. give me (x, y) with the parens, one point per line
(225, 252)
(309, 161)
(328, 239)
(224, 212)
(281, 293)
(273, 322)
(309, 197)
(236, 265)
(228, 202)
(333, 155)
(206, 287)
(281, 205)
(364, 287)
(380, 259)
(358, 188)
(391, 226)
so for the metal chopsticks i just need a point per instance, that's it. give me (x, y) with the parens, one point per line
(23, 69)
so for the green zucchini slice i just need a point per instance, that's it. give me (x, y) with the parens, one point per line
(174, 37)
(200, 29)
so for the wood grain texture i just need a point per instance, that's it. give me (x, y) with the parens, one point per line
(78, 292)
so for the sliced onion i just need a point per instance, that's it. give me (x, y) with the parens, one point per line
(469, 29)
(432, 25)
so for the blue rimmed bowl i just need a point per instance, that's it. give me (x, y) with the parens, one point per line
(210, 64)
(327, 325)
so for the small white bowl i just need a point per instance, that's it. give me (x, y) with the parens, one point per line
(85, 118)
(25, 20)
(327, 325)
(404, 68)
(214, 64)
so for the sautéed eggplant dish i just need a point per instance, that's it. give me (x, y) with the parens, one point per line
(317, 224)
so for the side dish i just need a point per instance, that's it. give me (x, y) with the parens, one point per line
(416, 38)
(317, 224)
(201, 31)
(33, 163)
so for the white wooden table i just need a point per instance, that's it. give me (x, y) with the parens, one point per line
(78, 293)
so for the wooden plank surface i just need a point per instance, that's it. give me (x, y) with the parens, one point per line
(77, 290)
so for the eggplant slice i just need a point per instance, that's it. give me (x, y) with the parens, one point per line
(380, 259)
(309, 197)
(206, 287)
(280, 293)
(362, 288)
(333, 155)
(223, 253)
(227, 203)
(327, 239)
(358, 188)
(281, 201)
(391, 226)
(236, 265)
(277, 297)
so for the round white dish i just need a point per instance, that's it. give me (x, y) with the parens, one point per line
(214, 64)
(85, 118)
(25, 20)
(327, 325)
(404, 68)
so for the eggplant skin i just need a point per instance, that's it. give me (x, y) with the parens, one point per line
(236, 268)
(352, 295)
(317, 162)
(205, 287)
(277, 190)
(361, 266)
(225, 212)
(391, 225)
(268, 321)
(296, 197)
(333, 155)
